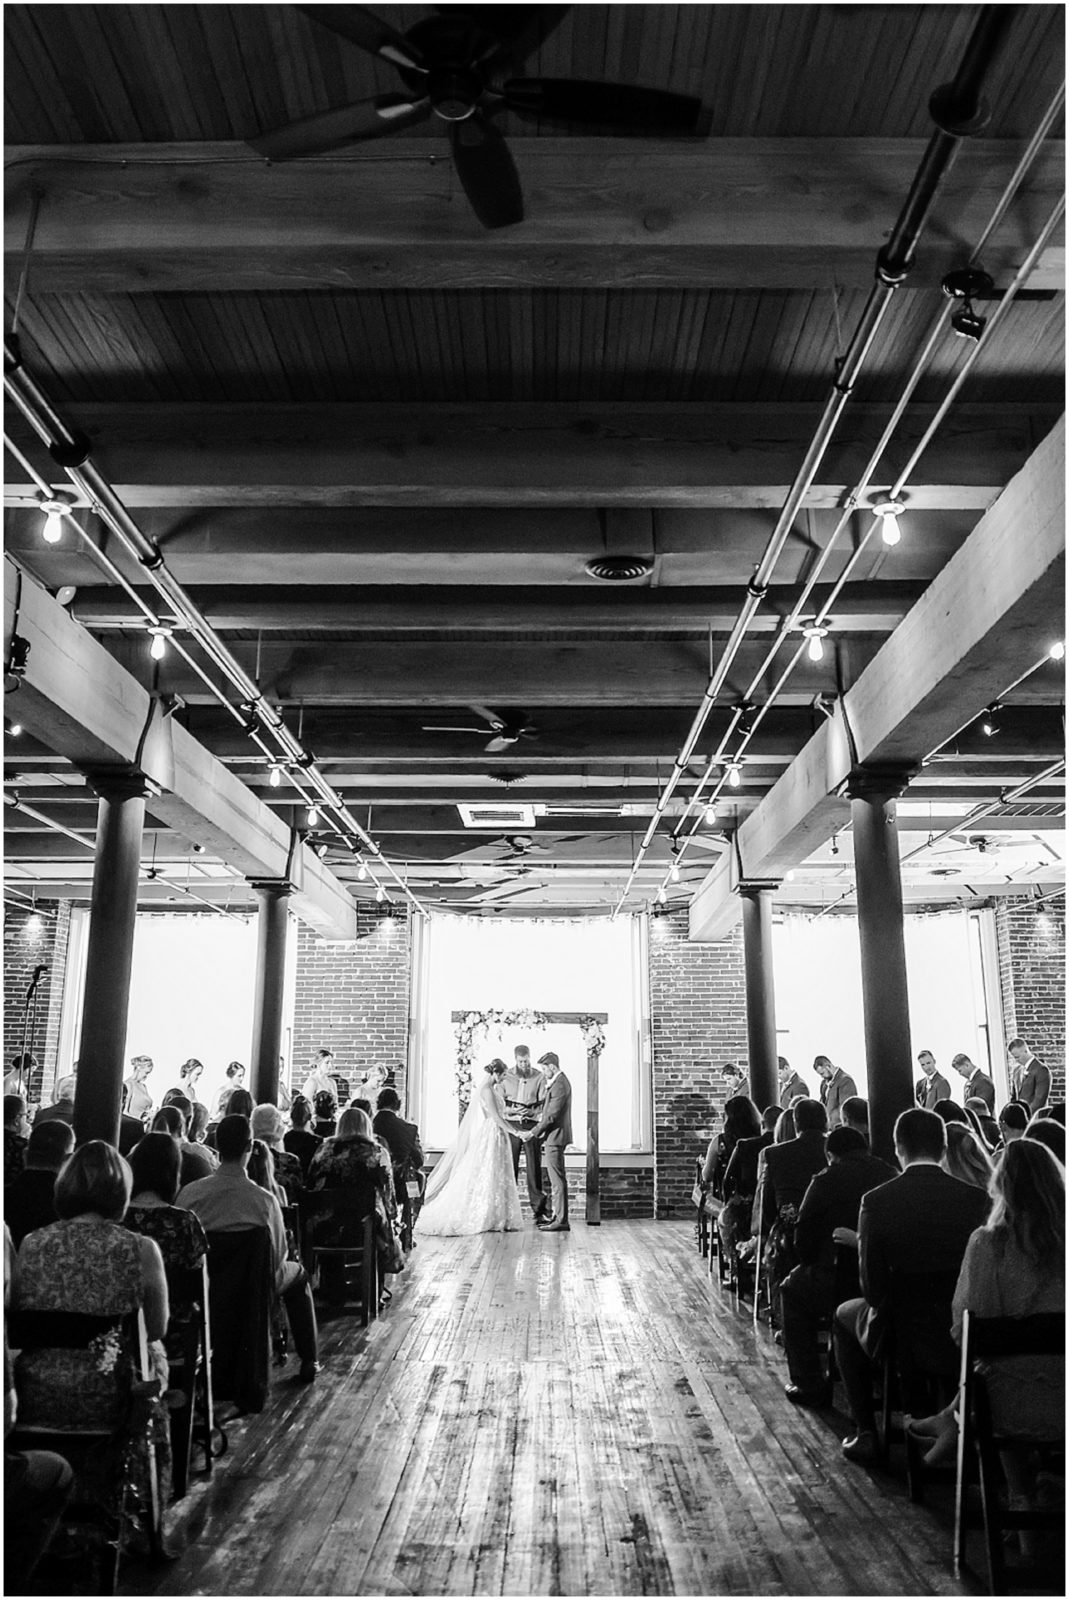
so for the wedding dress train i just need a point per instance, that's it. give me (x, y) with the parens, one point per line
(473, 1187)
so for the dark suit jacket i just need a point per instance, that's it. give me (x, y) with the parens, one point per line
(931, 1090)
(919, 1222)
(980, 1084)
(789, 1168)
(28, 1202)
(61, 1111)
(554, 1126)
(833, 1200)
(741, 1174)
(1033, 1085)
(833, 1091)
(402, 1138)
(795, 1087)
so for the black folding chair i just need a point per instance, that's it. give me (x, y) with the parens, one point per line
(920, 1364)
(338, 1231)
(189, 1358)
(981, 1441)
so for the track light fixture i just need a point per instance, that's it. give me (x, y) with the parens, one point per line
(967, 284)
(14, 729)
(159, 637)
(53, 507)
(988, 720)
(890, 511)
(816, 633)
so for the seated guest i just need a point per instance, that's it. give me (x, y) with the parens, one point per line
(62, 1108)
(299, 1139)
(1055, 1109)
(977, 1084)
(353, 1155)
(268, 1126)
(227, 1201)
(237, 1103)
(15, 1131)
(37, 1483)
(1044, 1130)
(29, 1200)
(741, 1121)
(948, 1111)
(326, 1109)
(919, 1222)
(261, 1170)
(966, 1158)
(829, 1210)
(788, 1169)
(88, 1262)
(854, 1113)
(983, 1124)
(235, 1079)
(739, 1183)
(1012, 1121)
(198, 1123)
(197, 1162)
(155, 1167)
(1014, 1266)
(401, 1137)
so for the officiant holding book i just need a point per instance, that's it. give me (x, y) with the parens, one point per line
(525, 1093)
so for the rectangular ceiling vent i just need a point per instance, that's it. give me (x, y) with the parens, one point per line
(580, 810)
(497, 816)
(1037, 809)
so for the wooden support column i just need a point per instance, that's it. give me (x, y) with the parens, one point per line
(109, 956)
(873, 805)
(273, 896)
(760, 992)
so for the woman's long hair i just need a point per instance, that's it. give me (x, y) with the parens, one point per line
(355, 1124)
(742, 1120)
(1028, 1191)
(966, 1158)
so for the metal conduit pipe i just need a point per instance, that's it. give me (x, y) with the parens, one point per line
(958, 111)
(71, 451)
(1021, 276)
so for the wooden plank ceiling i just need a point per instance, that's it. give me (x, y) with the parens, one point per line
(379, 443)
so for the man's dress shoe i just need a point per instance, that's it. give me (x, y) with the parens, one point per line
(819, 1399)
(557, 1227)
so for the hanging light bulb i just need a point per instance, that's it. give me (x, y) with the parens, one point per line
(53, 506)
(1057, 651)
(674, 872)
(313, 816)
(710, 815)
(734, 775)
(14, 729)
(361, 870)
(275, 779)
(158, 647)
(380, 894)
(988, 723)
(790, 876)
(816, 635)
(661, 895)
(890, 511)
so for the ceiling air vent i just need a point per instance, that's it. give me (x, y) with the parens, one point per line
(618, 569)
(497, 816)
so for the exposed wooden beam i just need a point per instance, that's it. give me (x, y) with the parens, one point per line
(468, 455)
(991, 612)
(758, 213)
(79, 701)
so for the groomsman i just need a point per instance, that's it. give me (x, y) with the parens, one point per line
(791, 1084)
(933, 1087)
(555, 1127)
(1029, 1078)
(977, 1083)
(836, 1086)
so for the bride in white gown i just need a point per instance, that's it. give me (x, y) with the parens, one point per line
(473, 1187)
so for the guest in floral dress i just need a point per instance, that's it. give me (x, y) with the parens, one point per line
(347, 1160)
(156, 1165)
(89, 1262)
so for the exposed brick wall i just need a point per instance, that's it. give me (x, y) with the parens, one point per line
(1031, 956)
(698, 1020)
(354, 998)
(30, 942)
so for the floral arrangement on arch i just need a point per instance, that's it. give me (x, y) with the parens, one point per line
(593, 1033)
(471, 1024)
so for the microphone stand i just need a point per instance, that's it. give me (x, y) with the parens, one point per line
(29, 1027)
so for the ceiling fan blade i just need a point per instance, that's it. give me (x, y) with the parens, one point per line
(610, 104)
(363, 28)
(501, 741)
(492, 718)
(487, 172)
(439, 729)
(367, 119)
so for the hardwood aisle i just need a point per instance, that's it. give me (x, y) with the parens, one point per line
(568, 1414)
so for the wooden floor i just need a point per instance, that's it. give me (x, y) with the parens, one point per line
(565, 1414)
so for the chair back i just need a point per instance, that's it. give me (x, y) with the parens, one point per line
(991, 1338)
(335, 1217)
(920, 1306)
(241, 1292)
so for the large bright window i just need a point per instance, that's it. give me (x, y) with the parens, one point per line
(818, 992)
(473, 964)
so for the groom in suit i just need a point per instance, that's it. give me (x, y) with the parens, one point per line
(554, 1127)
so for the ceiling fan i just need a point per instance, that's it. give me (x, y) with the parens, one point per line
(992, 843)
(508, 728)
(448, 64)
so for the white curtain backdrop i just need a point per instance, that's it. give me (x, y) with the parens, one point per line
(475, 964)
(818, 993)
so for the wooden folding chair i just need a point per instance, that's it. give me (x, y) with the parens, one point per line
(108, 1521)
(189, 1357)
(981, 1442)
(344, 1216)
(701, 1214)
(920, 1363)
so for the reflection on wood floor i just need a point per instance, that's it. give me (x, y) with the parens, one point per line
(567, 1414)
